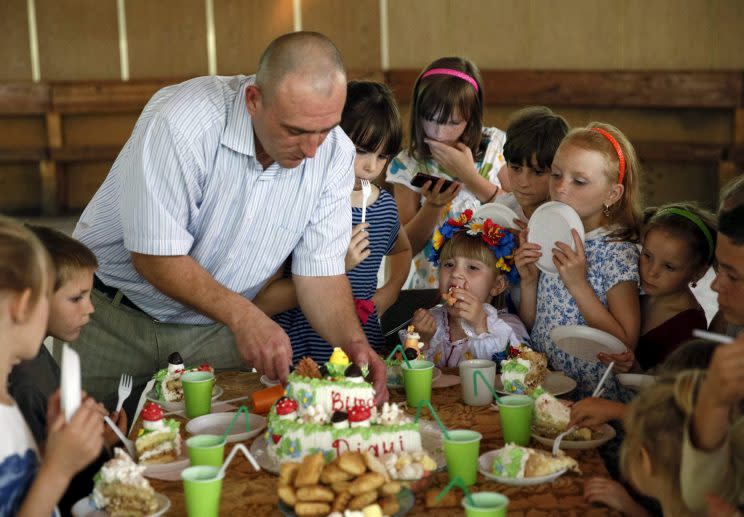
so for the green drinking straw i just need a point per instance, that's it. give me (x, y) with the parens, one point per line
(402, 352)
(477, 374)
(241, 409)
(457, 480)
(434, 414)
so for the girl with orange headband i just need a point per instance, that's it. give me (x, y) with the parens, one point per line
(595, 171)
(447, 141)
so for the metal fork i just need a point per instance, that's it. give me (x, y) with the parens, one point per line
(366, 192)
(125, 389)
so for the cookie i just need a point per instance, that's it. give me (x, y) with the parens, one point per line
(312, 509)
(391, 488)
(317, 493)
(332, 473)
(375, 465)
(353, 463)
(362, 500)
(287, 494)
(366, 483)
(309, 472)
(341, 502)
(341, 486)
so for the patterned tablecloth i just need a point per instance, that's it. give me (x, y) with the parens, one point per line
(247, 492)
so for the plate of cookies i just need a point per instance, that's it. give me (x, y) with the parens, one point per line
(351, 481)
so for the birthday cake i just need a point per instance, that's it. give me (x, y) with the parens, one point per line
(168, 386)
(121, 489)
(524, 370)
(331, 410)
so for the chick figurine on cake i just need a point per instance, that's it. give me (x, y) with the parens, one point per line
(337, 364)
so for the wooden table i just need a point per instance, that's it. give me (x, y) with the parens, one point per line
(247, 492)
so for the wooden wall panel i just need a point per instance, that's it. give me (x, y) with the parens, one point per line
(22, 132)
(20, 188)
(244, 28)
(98, 130)
(78, 39)
(81, 181)
(670, 182)
(167, 38)
(15, 55)
(353, 26)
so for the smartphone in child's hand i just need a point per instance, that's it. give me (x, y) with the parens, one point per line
(421, 177)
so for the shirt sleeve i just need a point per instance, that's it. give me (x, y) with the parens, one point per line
(33, 406)
(495, 340)
(620, 264)
(325, 240)
(159, 190)
(401, 170)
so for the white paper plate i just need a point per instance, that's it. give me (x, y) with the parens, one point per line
(485, 467)
(445, 381)
(586, 342)
(168, 471)
(552, 222)
(434, 376)
(217, 392)
(70, 382)
(85, 507)
(607, 434)
(431, 441)
(216, 423)
(635, 381)
(269, 382)
(555, 383)
(499, 214)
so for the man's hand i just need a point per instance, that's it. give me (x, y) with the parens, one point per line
(264, 345)
(361, 353)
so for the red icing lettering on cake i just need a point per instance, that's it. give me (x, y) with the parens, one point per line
(341, 445)
(341, 402)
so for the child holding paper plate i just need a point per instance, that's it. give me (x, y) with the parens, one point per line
(595, 172)
(28, 486)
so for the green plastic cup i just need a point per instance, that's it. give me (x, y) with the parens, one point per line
(417, 381)
(197, 393)
(206, 449)
(487, 504)
(202, 489)
(516, 418)
(461, 450)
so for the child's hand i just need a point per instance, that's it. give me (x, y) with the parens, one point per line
(623, 362)
(358, 246)
(457, 160)
(724, 384)
(612, 494)
(592, 412)
(469, 308)
(437, 197)
(525, 257)
(425, 325)
(718, 507)
(109, 436)
(73, 445)
(571, 264)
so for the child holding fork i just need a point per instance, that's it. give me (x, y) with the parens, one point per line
(32, 382)
(372, 121)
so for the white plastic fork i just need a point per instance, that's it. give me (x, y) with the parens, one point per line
(366, 192)
(125, 389)
(128, 444)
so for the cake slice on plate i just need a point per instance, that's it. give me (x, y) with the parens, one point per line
(121, 490)
(159, 440)
(551, 419)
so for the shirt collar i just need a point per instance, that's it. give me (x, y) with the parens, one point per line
(238, 133)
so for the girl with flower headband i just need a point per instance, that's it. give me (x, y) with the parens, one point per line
(595, 172)
(475, 259)
(448, 141)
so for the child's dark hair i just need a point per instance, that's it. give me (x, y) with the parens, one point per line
(437, 97)
(371, 118)
(68, 255)
(684, 221)
(731, 224)
(534, 131)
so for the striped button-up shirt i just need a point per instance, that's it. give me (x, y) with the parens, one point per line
(187, 182)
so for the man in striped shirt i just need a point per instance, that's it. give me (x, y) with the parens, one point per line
(221, 180)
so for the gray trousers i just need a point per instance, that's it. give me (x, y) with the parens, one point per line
(119, 340)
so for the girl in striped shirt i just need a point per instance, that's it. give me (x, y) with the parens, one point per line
(372, 120)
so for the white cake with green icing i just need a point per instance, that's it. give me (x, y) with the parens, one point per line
(333, 411)
(524, 371)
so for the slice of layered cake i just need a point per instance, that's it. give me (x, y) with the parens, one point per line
(159, 440)
(524, 371)
(121, 490)
(168, 386)
(552, 417)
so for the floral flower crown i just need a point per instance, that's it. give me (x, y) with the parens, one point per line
(499, 240)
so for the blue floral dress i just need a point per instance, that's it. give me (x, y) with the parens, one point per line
(404, 167)
(608, 264)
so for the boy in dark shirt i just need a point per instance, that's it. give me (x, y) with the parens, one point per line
(31, 383)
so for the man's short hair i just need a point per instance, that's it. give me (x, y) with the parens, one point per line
(68, 255)
(731, 224)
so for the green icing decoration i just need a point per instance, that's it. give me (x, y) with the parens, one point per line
(336, 370)
(282, 427)
(537, 392)
(321, 383)
(514, 367)
(511, 465)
